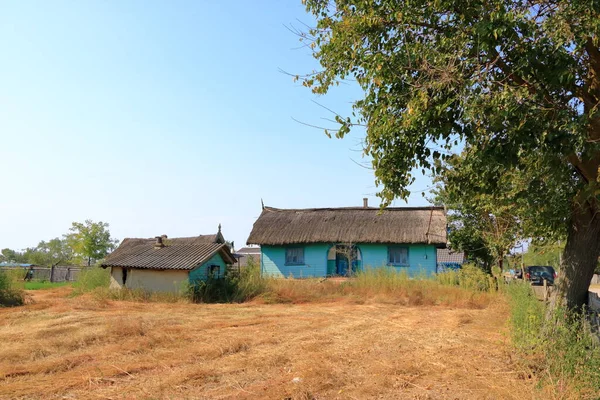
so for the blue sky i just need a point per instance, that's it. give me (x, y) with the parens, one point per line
(164, 118)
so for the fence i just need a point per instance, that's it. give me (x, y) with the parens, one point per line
(56, 274)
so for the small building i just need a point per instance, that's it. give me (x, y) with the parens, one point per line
(319, 242)
(168, 265)
(247, 255)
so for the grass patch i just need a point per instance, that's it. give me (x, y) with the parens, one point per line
(557, 348)
(41, 285)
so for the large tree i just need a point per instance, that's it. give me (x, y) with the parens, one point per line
(91, 240)
(517, 82)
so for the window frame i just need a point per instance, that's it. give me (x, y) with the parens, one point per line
(210, 273)
(294, 248)
(398, 264)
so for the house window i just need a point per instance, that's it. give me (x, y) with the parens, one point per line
(213, 271)
(294, 256)
(398, 256)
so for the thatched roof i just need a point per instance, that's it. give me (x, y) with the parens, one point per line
(178, 253)
(350, 225)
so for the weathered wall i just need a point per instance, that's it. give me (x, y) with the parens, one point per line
(422, 260)
(150, 279)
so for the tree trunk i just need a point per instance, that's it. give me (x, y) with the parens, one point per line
(580, 257)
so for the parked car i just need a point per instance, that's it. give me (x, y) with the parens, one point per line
(536, 274)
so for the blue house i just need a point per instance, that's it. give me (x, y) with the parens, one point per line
(320, 242)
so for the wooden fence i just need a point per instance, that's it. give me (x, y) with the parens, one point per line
(56, 274)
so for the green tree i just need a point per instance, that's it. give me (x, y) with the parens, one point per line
(9, 255)
(91, 240)
(517, 82)
(51, 253)
(482, 220)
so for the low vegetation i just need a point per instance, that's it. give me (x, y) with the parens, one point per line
(468, 288)
(42, 285)
(10, 295)
(560, 351)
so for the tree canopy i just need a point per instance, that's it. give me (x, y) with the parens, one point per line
(517, 83)
(91, 240)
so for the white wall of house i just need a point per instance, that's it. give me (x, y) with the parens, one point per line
(151, 280)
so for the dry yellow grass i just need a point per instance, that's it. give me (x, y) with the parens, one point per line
(61, 347)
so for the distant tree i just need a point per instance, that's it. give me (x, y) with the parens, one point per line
(9, 255)
(51, 253)
(90, 240)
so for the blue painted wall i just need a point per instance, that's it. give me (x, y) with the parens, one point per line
(272, 262)
(421, 258)
(200, 272)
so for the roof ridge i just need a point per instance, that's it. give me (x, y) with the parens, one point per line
(357, 208)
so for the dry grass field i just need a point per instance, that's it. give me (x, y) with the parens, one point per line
(82, 347)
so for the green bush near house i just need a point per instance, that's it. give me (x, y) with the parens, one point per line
(91, 278)
(10, 295)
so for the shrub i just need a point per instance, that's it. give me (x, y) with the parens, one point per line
(557, 345)
(468, 277)
(10, 295)
(91, 278)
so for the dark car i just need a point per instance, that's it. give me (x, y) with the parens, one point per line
(537, 274)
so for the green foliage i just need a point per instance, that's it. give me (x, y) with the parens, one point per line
(51, 253)
(482, 223)
(516, 83)
(44, 285)
(9, 255)
(468, 277)
(561, 349)
(91, 240)
(91, 278)
(10, 295)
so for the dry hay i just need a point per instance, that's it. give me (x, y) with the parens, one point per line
(80, 347)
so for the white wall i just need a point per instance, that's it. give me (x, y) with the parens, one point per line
(149, 279)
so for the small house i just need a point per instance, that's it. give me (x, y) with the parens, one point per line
(168, 265)
(320, 242)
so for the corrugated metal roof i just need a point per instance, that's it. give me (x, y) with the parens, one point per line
(178, 253)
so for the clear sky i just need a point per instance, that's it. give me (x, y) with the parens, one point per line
(164, 117)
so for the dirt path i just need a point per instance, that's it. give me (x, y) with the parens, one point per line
(62, 347)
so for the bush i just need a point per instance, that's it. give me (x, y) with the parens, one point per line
(91, 278)
(468, 277)
(10, 295)
(557, 346)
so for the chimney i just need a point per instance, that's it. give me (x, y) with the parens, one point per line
(365, 202)
(159, 241)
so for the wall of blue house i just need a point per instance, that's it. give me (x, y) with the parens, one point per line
(272, 261)
(201, 273)
(421, 258)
